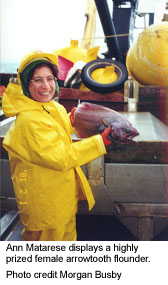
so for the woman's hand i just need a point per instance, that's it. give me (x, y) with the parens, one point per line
(104, 135)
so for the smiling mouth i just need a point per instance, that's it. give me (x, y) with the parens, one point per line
(45, 93)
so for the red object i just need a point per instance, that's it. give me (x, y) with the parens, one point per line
(2, 89)
(64, 65)
(72, 116)
(104, 135)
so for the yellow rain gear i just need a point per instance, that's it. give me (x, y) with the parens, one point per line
(45, 164)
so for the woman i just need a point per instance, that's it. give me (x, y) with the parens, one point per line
(44, 163)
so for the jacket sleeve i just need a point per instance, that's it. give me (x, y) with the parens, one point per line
(37, 143)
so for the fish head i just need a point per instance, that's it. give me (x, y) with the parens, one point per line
(122, 132)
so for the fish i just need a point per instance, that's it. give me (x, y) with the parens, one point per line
(92, 119)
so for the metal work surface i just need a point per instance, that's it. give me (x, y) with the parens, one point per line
(149, 127)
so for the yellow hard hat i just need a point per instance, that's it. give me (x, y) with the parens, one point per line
(33, 56)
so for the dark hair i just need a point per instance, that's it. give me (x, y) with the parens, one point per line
(52, 66)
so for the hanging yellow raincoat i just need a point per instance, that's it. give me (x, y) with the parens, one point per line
(45, 164)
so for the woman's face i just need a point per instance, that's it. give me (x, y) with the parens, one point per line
(42, 85)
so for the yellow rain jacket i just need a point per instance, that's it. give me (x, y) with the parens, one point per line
(44, 163)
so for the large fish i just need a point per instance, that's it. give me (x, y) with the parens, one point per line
(91, 119)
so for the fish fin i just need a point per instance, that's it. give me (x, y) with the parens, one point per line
(105, 124)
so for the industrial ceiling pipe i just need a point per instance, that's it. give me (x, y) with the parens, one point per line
(108, 28)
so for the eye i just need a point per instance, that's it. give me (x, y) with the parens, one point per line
(126, 130)
(51, 79)
(38, 80)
